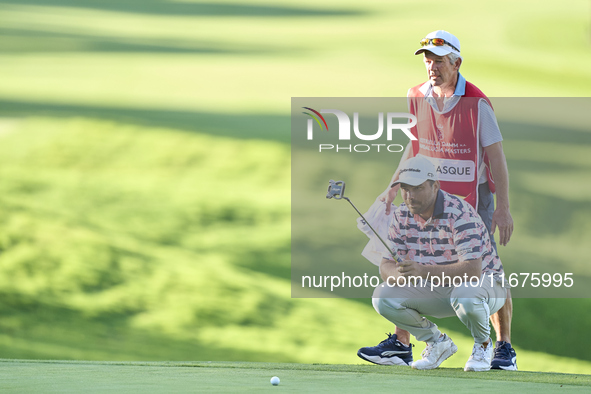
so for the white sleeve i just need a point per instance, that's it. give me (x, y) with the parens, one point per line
(488, 128)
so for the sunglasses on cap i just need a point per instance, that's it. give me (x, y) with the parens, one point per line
(437, 42)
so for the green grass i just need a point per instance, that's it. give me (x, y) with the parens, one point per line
(172, 377)
(112, 242)
(253, 60)
(145, 165)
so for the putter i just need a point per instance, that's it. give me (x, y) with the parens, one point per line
(336, 190)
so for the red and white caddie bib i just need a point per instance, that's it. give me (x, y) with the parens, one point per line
(451, 140)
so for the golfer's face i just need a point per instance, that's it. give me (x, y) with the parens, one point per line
(419, 199)
(439, 68)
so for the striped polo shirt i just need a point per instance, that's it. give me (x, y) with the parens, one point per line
(454, 233)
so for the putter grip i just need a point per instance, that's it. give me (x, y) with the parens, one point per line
(396, 257)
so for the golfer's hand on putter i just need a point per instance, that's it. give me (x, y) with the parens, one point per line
(389, 196)
(407, 268)
(502, 219)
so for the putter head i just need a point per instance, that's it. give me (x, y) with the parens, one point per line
(336, 189)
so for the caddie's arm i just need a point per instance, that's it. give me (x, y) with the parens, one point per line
(463, 269)
(502, 216)
(390, 193)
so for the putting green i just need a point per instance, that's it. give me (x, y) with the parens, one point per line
(174, 377)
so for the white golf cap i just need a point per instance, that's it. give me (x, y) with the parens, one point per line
(451, 44)
(415, 171)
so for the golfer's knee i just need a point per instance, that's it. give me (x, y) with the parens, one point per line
(376, 304)
(388, 307)
(377, 299)
(465, 306)
(388, 301)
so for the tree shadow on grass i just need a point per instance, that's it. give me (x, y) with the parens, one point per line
(259, 126)
(160, 7)
(264, 126)
(521, 131)
(35, 330)
(28, 40)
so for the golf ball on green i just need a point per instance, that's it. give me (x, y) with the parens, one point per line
(274, 380)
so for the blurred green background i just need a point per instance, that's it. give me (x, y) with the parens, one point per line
(145, 166)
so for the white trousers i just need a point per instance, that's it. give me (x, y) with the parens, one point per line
(406, 306)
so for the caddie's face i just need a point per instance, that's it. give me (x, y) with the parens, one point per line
(440, 69)
(420, 199)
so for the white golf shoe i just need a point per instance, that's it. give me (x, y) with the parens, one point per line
(435, 353)
(480, 359)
